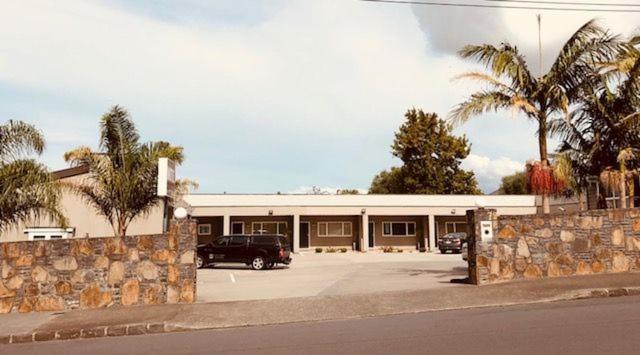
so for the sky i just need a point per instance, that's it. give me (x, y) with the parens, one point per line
(267, 95)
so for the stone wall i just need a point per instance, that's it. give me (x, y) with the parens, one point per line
(540, 246)
(99, 272)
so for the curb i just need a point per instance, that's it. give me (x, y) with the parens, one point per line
(164, 327)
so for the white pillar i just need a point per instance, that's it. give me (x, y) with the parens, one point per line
(364, 243)
(432, 232)
(226, 224)
(296, 233)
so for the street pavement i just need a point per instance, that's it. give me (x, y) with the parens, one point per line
(594, 326)
(324, 274)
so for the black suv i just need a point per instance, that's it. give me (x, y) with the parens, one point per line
(262, 251)
(452, 242)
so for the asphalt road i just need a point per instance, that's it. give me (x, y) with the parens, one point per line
(596, 326)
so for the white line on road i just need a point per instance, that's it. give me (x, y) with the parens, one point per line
(233, 279)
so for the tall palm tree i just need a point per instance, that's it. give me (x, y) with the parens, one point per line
(123, 173)
(27, 189)
(604, 129)
(511, 85)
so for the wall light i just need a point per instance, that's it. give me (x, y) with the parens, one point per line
(363, 211)
(453, 211)
(270, 212)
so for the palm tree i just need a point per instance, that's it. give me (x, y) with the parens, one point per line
(605, 126)
(511, 85)
(123, 173)
(27, 189)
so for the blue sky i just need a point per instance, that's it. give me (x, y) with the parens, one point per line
(265, 95)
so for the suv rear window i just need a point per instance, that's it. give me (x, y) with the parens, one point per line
(263, 240)
(238, 241)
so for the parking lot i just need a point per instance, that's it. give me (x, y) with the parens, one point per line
(312, 274)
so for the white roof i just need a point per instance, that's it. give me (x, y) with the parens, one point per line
(265, 200)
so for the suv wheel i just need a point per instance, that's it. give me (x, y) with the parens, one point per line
(258, 263)
(199, 262)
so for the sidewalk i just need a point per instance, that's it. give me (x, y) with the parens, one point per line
(16, 328)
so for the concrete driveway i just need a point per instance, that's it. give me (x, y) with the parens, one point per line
(312, 274)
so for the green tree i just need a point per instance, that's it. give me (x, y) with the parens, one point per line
(515, 184)
(431, 158)
(603, 131)
(27, 189)
(123, 173)
(511, 85)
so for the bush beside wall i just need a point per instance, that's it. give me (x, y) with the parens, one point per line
(63, 274)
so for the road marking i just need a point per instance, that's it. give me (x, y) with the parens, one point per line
(233, 279)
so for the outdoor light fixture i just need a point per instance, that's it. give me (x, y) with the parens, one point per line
(363, 211)
(453, 211)
(270, 212)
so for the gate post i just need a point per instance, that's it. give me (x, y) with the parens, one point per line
(478, 270)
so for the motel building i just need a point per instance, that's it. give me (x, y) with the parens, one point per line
(358, 222)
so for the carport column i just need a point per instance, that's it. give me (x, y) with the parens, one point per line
(364, 244)
(226, 224)
(296, 233)
(432, 232)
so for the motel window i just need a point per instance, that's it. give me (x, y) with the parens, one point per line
(204, 229)
(398, 229)
(237, 228)
(269, 227)
(334, 229)
(455, 227)
(38, 237)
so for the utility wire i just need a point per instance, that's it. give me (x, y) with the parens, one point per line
(570, 3)
(509, 7)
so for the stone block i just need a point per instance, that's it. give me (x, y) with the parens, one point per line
(173, 294)
(567, 236)
(522, 248)
(7, 270)
(544, 233)
(130, 292)
(188, 290)
(116, 273)
(133, 255)
(596, 239)
(152, 294)
(68, 334)
(101, 262)
(6, 304)
(115, 246)
(148, 270)
(96, 332)
(63, 288)
(188, 257)
(46, 335)
(15, 282)
(40, 274)
(620, 262)
(10, 250)
(173, 274)
(598, 267)
(521, 264)
(65, 263)
(49, 304)
(164, 256)
(81, 247)
(583, 268)
(94, 297)
(27, 305)
(553, 270)
(581, 245)
(24, 260)
(636, 225)
(5, 291)
(532, 272)
(507, 232)
(617, 236)
(145, 243)
(538, 222)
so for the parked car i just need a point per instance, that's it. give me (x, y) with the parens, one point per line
(262, 251)
(452, 242)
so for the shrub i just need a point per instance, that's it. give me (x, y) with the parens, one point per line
(318, 250)
(400, 250)
(387, 249)
(331, 250)
(343, 250)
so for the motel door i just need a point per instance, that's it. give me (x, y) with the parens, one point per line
(372, 235)
(304, 234)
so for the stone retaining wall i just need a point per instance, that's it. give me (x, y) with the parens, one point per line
(56, 275)
(540, 246)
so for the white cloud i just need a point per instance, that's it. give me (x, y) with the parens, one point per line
(489, 171)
